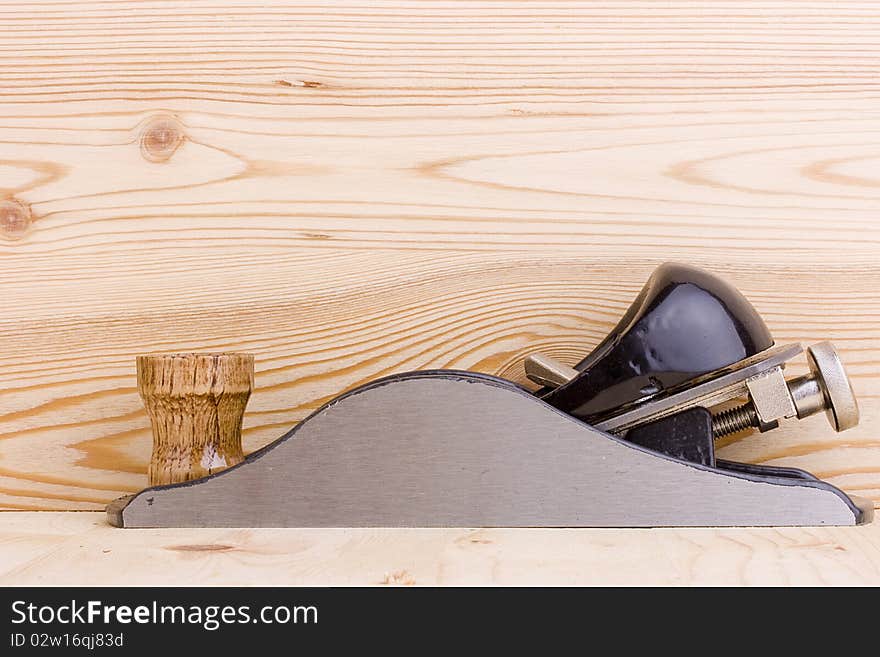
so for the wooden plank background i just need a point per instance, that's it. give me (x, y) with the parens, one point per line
(81, 549)
(349, 189)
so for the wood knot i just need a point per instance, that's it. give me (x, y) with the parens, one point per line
(400, 578)
(15, 218)
(207, 547)
(307, 84)
(161, 137)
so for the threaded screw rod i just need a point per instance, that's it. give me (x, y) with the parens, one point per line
(735, 420)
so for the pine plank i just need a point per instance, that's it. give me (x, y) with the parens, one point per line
(81, 549)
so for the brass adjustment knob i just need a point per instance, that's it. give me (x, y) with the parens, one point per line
(196, 405)
(827, 388)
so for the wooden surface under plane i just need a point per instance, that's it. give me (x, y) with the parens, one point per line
(82, 549)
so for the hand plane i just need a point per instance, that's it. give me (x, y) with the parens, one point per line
(624, 438)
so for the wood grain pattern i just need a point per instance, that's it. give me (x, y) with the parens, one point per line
(79, 548)
(352, 189)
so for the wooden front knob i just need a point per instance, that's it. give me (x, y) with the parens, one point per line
(196, 404)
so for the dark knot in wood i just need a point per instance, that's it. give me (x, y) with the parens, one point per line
(161, 137)
(15, 218)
